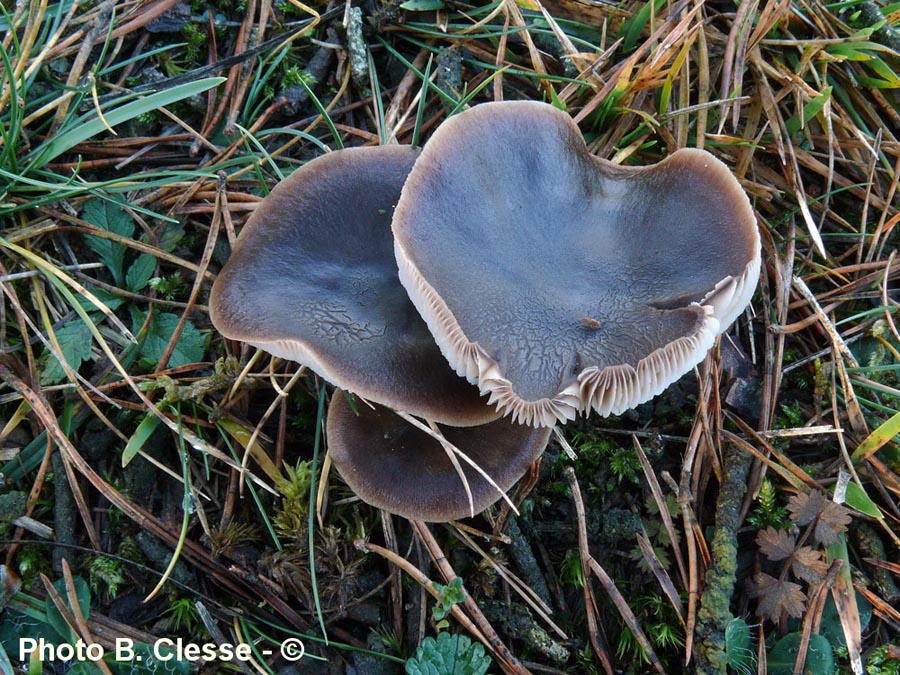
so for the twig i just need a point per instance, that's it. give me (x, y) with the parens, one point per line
(609, 586)
(507, 661)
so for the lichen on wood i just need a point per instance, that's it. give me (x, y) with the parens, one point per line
(715, 602)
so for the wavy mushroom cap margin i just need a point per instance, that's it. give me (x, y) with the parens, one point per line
(559, 282)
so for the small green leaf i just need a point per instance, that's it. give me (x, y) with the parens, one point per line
(877, 438)
(168, 236)
(819, 656)
(810, 110)
(189, 348)
(857, 498)
(140, 436)
(140, 272)
(448, 655)
(112, 218)
(74, 340)
(110, 300)
(55, 619)
(449, 595)
(422, 5)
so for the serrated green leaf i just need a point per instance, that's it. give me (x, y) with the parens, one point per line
(168, 236)
(55, 619)
(74, 340)
(448, 655)
(857, 498)
(112, 218)
(143, 432)
(110, 300)
(422, 5)
(819, 656)
(140, 272)
(188, 349)
(448, 595)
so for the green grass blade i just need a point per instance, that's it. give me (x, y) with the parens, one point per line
(227, 435)
(310, 526)
(376, 98)
(250, 139)
(339, 144)
(186, 513)
(877, 438)
(423, 101)
(91, 125)
(140, 436)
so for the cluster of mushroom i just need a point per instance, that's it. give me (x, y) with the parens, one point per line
(504, 261)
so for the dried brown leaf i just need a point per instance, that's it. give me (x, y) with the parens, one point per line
(777, 596)
(808, 564)
(776, 544)
(805, 508)
(831, 519)
(832, 523)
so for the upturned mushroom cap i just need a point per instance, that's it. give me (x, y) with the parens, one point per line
(392, 465)
(313, 278)
(558, 281)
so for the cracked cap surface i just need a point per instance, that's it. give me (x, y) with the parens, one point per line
(312, 278)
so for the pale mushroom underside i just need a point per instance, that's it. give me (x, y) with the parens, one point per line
(559, 282)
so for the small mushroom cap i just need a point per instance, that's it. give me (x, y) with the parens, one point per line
(394, 466)
(558, 281)
(313, 278)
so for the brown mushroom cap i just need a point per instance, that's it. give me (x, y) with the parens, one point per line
(313, 278)
(558, 281)
(396, 467)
